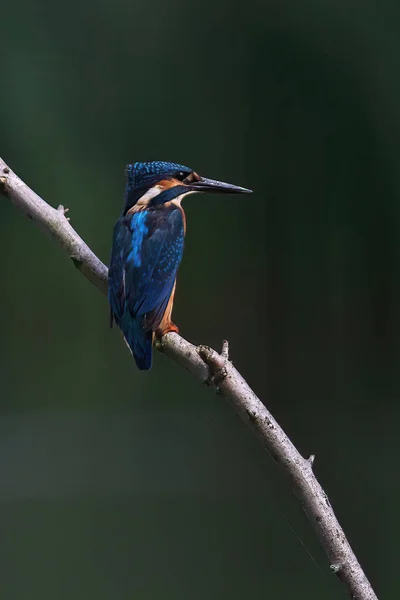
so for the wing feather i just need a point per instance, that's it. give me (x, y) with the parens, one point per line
(147, 251)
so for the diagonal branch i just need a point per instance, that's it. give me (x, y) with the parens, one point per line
(217, 371)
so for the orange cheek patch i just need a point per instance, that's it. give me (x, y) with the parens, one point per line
(166, 184)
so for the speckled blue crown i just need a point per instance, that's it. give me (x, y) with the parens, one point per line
(141, 174)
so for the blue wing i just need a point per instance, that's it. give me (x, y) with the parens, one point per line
(147, 250)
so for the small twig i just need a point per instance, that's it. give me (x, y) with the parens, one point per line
(216, 370)
(63, 211)
(225, 349)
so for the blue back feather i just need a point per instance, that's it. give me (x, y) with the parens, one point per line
(139, 341)
(147, 250)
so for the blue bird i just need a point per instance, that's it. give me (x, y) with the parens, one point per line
(147, 250)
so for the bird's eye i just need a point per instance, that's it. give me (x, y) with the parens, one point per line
(181, 175)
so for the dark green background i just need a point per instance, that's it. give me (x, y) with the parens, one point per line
(118, 484)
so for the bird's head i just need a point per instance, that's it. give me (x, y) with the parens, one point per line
(154, 183)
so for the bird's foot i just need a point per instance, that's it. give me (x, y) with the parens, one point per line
(166, 328)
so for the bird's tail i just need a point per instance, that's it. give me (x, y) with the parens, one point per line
(139, 342)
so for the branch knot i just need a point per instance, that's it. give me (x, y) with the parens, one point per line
(4, 185)
(336, 567)
(216, 363)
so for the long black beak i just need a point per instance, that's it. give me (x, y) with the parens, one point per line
(217, 187)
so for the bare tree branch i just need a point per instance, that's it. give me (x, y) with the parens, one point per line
(216, 370)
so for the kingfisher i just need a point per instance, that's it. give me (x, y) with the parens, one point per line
(147, 249)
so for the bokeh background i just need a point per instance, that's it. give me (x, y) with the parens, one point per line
(121, 484)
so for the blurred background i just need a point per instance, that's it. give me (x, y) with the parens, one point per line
(116, 483)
